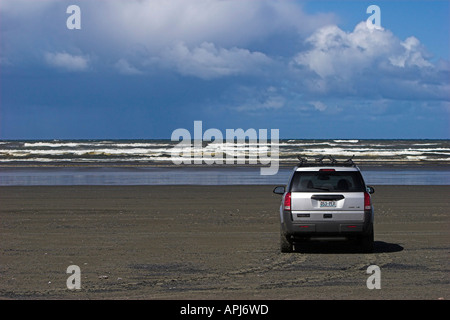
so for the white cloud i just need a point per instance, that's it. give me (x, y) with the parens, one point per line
(413, 55)
(335, 52)
(207, 61)
(67, 61)
(212, 39)
(226, 23)
(202, 38)
(226, 34)
(373, 63)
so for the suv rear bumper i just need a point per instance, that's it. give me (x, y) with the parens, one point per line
(329, 228)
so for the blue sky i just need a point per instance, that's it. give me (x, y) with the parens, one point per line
(141, 69)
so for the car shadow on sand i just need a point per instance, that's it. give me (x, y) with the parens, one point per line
(344, 247)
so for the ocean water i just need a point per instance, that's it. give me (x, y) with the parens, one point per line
(149, 162)
(197, 176)
(156, 151)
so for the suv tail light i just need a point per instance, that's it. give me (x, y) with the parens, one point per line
(367, 203)
(327, 170)
(287, 201)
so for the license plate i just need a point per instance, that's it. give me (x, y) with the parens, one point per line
(328, 204)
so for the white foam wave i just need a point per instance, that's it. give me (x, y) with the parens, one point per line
(346, 141)
(92, 144)
(50, 144)
(148, 150)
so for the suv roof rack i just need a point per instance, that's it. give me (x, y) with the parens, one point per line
(317, 162)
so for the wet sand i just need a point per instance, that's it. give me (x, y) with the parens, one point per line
(211, 242)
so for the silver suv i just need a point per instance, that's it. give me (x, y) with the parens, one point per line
(326, 198)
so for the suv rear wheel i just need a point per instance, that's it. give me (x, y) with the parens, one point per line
(366, 241)
(285, 245)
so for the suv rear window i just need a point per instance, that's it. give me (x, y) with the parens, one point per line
(323, 181)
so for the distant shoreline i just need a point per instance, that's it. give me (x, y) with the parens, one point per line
(170, 174)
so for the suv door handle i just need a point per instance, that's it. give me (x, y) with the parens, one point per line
(327, 197)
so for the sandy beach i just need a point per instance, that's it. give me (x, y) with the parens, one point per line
(211, 242)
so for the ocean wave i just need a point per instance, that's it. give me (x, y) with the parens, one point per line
(161, 150)
(346, 141)
(50, 144)
(90, 144)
